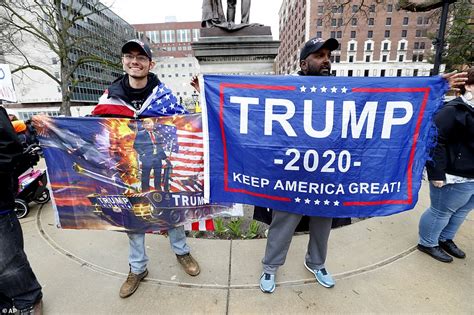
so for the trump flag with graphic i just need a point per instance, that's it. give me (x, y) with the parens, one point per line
(321, 146)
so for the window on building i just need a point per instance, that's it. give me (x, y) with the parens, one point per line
(338, 59)
(426, 20)
(418, 33)
(415, 72)
(339, 34)
(370, 34)
(339, 22)
(355, 8)
(154, 36)
(190, 65)
(385, 46)
(176, 74)
(388, 21)
(389, 7)
(419, 20)
(349, 73)
(366, 73)
(54, 61)
(333, 72)
(183, 36)
(416, 45)
(319, 34)
(404, 33)
(351, 46)
(333, 22)
(414, 58)
(384, 58)
(333, 34)
(420, 57)
(372, 8)
(320, 9)
(56, 75)
(183, 65)
(196, 33)
(351, 58)
(354, 21)
(176, 65)
(382, 72)
(400, 58)
(399, 72)
(167, 36)
(402, 46)
(353, 34)
(162, 75)
(169, 66)
(405, 20)
(368, 46)
(367, 58)
(387, 34)
(422, 45)
(319, 22)
(162, 66)
(371, 21)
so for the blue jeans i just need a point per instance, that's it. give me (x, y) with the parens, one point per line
(18, 284)
(450, 205)
(138, 258)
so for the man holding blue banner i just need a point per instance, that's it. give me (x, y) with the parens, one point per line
(139, 94)
(314, 61)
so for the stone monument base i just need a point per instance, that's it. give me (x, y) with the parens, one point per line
(250, 50)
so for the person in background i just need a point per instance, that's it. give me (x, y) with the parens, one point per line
(451, 176)
(19, 288)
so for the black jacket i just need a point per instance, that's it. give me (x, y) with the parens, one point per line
(10, 150)
(454, 153)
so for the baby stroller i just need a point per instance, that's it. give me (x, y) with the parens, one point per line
(31, 183)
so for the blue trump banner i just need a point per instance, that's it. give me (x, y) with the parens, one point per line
(127, 175)
(320, 146)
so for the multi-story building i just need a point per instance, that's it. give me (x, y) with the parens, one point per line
(36, 92)
(375, 40)
(170, 39)
(173, 54)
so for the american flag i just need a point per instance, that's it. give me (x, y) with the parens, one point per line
(187, 158)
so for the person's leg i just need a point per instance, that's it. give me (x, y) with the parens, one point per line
(157, 174)
(17, 280)
(137, 257)
(231, 10)
(460, 203)
(245, 9)
(319, 230)
(146, 169)
(280, 233)
(181, 249)
(178, 243)
(436, 217)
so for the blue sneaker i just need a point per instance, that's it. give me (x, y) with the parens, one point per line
(267, 283)
(322, 276)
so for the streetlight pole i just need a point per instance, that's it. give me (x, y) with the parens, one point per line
(439, 41)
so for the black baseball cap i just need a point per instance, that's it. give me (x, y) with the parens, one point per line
(138, 44)
(315, 44)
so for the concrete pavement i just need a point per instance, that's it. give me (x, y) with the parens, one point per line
(375, 263)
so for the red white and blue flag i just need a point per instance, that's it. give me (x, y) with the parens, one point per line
(322, 146)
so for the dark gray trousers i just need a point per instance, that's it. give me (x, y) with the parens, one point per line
(279, 238)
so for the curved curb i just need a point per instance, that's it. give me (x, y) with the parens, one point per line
(116, 274)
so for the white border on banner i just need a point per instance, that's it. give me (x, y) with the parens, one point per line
(205, 139)
(7, 91)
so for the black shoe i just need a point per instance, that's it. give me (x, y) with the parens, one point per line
(436, 252)
(452, 249)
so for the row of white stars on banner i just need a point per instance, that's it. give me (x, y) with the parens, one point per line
(317, 202)
(323, 89)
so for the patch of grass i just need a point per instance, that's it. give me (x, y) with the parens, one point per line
(234, 226)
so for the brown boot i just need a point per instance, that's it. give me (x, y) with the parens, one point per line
(190, 265)
(131, 284)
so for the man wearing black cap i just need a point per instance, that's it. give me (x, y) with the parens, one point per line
(139, 94)
(314, 61)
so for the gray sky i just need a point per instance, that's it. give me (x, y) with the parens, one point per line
(154, 11)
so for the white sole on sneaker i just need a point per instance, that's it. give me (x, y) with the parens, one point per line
(321, 283)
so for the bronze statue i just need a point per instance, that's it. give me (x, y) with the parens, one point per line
(245, 11)
(213, 14)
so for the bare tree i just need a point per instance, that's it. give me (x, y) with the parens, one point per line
(64, 27)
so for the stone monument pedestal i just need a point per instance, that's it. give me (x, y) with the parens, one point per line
(249, 51)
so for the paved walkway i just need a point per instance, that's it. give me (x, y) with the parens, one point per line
(375, 264)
